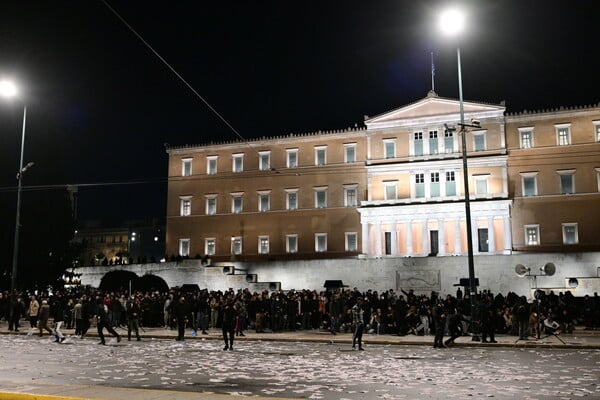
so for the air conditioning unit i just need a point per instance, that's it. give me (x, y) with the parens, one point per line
(273, 286)
(251, 278)
(229, 270)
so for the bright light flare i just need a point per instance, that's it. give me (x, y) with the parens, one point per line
(452, 21)
(8, 89)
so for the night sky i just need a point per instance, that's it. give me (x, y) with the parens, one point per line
(101, 105)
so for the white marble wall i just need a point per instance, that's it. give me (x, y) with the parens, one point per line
(496, 273)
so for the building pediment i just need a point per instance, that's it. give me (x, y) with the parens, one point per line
(433, 109)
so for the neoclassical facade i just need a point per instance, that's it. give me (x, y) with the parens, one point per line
(392, 188)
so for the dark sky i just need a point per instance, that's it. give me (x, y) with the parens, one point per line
(101, 105)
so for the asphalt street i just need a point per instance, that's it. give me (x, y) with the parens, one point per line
(304, 370)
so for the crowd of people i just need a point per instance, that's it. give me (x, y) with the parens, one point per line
(340, 310)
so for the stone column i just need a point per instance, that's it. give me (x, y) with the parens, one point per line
(507, 234)
(365, 238)
(394, 238)
(425, 239)
(441, 237)
(409, 246)
(378, 251)
(491, 236)
(457, 241)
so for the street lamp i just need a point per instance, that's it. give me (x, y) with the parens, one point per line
(452, 22)
(8, 89)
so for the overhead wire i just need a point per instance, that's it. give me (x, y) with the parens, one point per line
(178, 75)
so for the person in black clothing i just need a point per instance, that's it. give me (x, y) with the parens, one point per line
(454, 326)
(229, 314)
(488, 320)
(104, 322)
(439, 324)
(133, 311)
(17, 309)
(180, 312)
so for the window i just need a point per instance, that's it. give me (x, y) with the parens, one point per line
(292, 158)
(351, 241)
(532, 235)
(238, 163)
(526, 137)
(264, 160)
(186, 167)
(320, 197)
(291, 243)
(598, 177)
(434, 184)
(291, 199)
(478, 141)
(237, 203)
(569, 232)
(567, 181)
(350, 195)
(391, 190)
(236, 245)
(563, 134)
(321, 155)
(320, 242)
(184, 247)
(389, 148)
(450, 183)
(185, 206)
(419, 185)
(481, 185)
(264, 200)
(597, 130)
(418, 143)
(529, 183)
(433, 142)
(449, 141)
(350, 152)
(211, 165)
(263, 245)
(210, 246)
(211, 205)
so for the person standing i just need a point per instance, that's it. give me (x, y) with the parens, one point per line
(104, 321)
(17, 309)
(180, 313)
(358, 321)
(521, 312)
(33, 311)
(133, 310)
(229, 318)
(439, 324)
(78, 317)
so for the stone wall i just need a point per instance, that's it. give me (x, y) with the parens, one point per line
(495, 273)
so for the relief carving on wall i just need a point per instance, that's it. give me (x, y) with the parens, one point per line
(422, 281)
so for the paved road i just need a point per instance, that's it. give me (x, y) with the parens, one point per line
(304, 370)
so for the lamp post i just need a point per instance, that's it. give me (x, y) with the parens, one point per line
(7, 89)
(452, 22)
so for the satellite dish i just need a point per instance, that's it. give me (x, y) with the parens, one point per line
(549, 269)
(521, 270)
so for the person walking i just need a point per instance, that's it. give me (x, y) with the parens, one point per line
(358, 321)
(58, 313)
(44, 315)
(104, 321)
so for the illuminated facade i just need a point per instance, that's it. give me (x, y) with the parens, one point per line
(393, 188)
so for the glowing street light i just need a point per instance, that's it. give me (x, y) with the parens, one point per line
(9, 90)
(452, 23)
